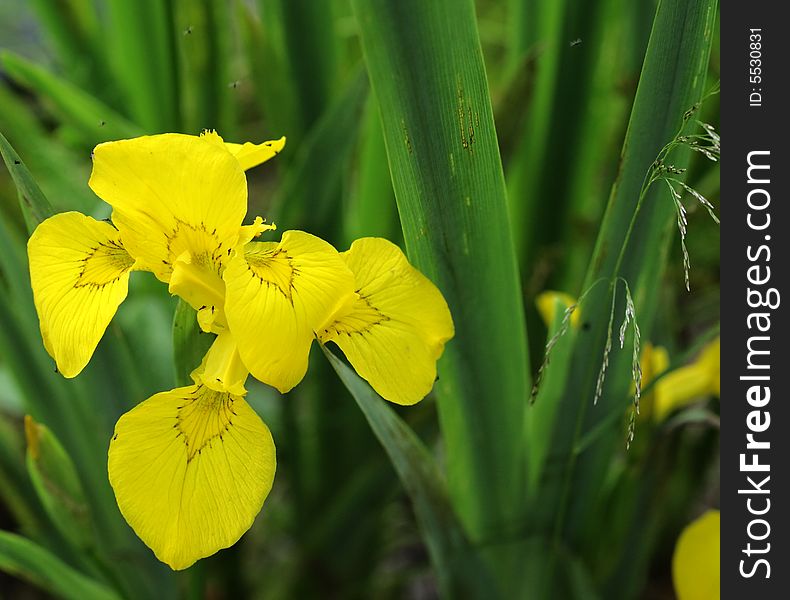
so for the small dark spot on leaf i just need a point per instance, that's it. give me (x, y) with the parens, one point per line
(17, 162)
(586, 326)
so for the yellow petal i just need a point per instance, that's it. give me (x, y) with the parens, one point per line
(679, 388)
(695, 564)
(172, 194)
(396, 330)
(222, 369)
(248, 154)
(653, 362)
(550, 303)
(277, 297)
(202, 288)
(710, 360)
(190, 469)
(686, 384)
(79, 272)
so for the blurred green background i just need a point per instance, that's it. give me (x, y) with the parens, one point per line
(590, 519)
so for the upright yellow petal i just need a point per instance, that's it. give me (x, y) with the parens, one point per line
(277, 297)
(396, 330)
(190, 469)
(695, 564)
(248, 154)
(174, 197)
(79, 272)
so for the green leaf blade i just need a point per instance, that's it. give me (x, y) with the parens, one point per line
(426, 69)
(34, 204)
(22, 558)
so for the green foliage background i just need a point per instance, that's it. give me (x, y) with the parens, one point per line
(504, 144)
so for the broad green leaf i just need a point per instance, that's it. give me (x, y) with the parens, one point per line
(22, 558)
(426, 70)
(34, 204)
(95, 121)
(57, 484)
(460, 572)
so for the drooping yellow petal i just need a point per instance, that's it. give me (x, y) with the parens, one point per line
(174, 197)
(190, 469)
(396, 330)
(549, 303)
(689, 383)
(277, 297)
(248, 154)
(79, 272)
(695, 563)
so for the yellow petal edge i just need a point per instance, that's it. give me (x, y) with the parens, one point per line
(79, 272)
(695, 564)
(191, 469)
(248, 154)
(397, 328)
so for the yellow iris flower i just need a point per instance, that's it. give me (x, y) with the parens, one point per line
(191, 467)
